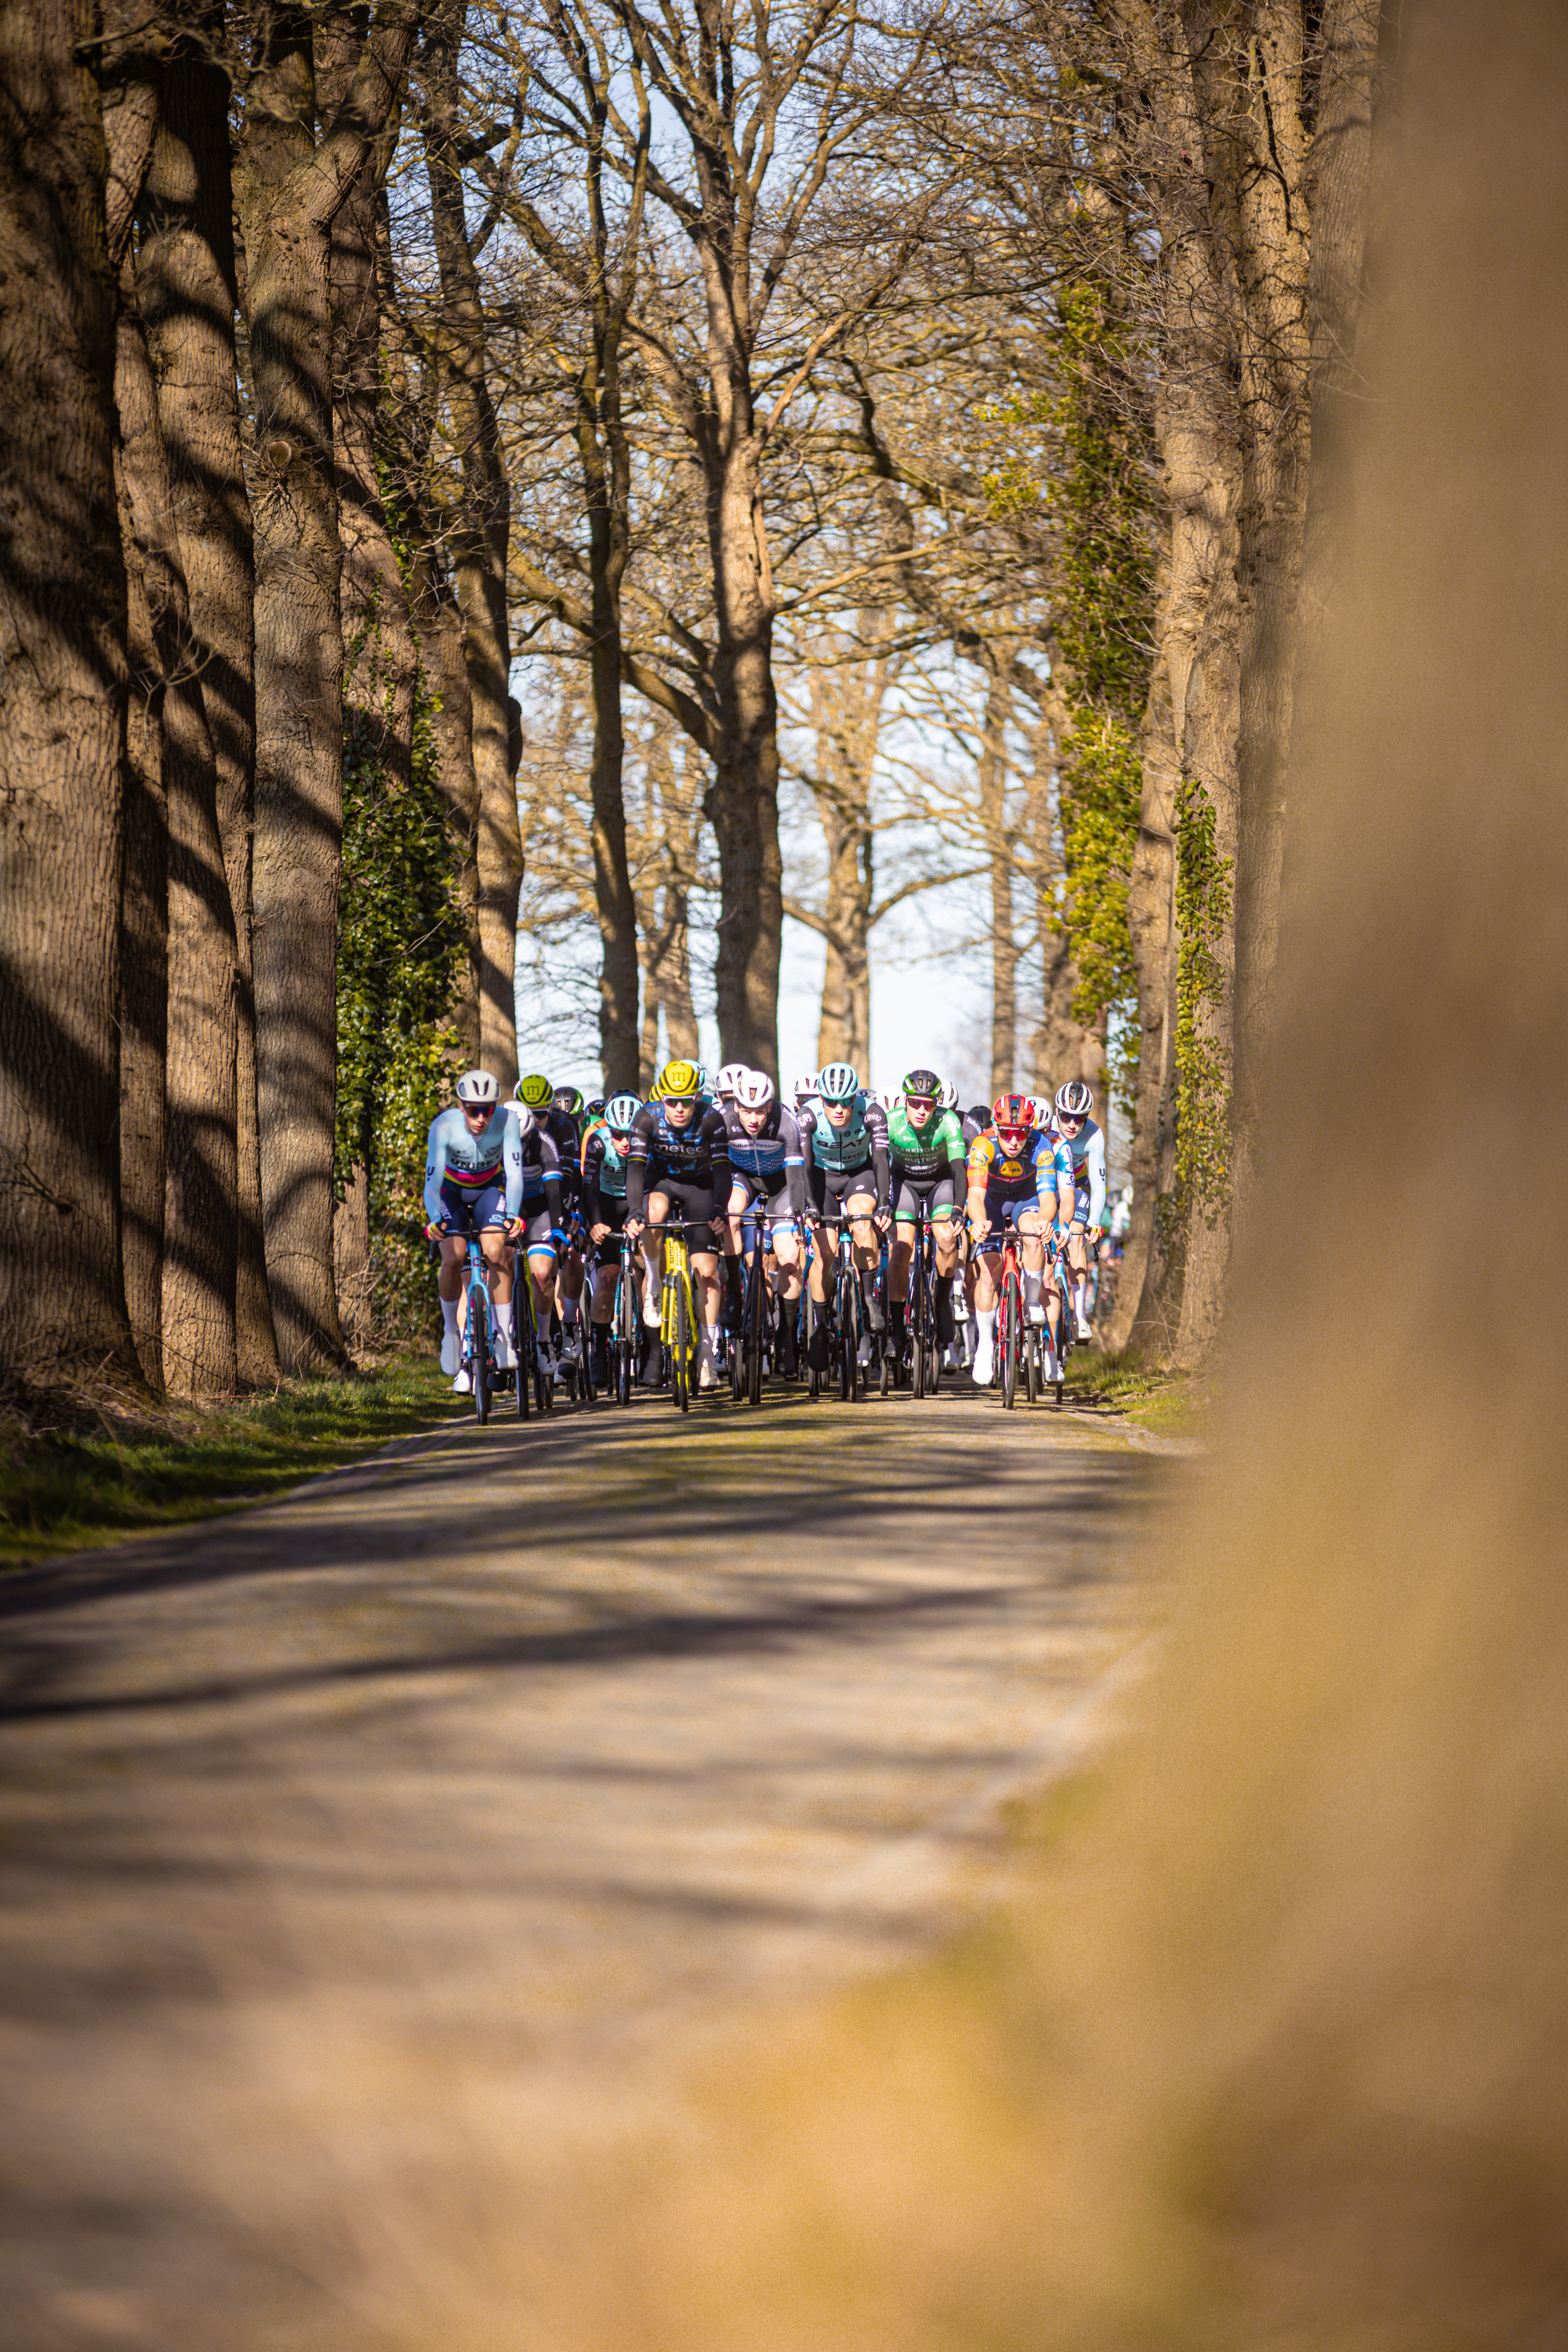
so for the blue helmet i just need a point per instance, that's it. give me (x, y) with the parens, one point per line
(838, 1082)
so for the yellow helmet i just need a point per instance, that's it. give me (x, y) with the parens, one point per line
(536, 1092)
(681, 1079)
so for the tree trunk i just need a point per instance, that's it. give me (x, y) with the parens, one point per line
(438, 628)
(129, 100)
(1063, 1047)
(198, 1218)
(186, 278)
(290, 190)
(1195, 432)
(608, 547)
(999, 846)
(380, 659)
(480, 546)
(63, 696)
(843, 1030)
(1272, 261)
(743, 804)
(1339, 178)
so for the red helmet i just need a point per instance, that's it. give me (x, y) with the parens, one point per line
(1015, 1111)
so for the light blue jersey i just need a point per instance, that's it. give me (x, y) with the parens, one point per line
(470, 1162)
(1087, 1152)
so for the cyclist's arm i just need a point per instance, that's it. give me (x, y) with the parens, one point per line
(511, 1164)
(593, 1160)
(716, 1134)
(1094, 1168)
(434, 1172)
(795, 1164)
(875, 1120)
(638, 1143)
(952, 1135)
(1064, 1187)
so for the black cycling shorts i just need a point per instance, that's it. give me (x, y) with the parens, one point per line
(940, 1193)
(693, 1196)
(614, 1214)
(840, 1184)
(770, 1195)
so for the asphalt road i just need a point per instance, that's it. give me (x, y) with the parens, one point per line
(446, 1815)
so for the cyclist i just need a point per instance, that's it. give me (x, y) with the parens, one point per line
(926, 1155)
(678, 1156)
(1121, 1224)
(474, 1176)
(604, 1206)
(549, 1245)
(767, 1156)
(1018, 1172)
(724, 1084)
(847, 1162)
(1087, 1145)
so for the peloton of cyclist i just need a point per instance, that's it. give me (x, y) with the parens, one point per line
(926, 1156)
(479, 1157)
(767, 1157)
(1015, 1173)
(1086, 1144)
(677, 1157)
(847, 1163)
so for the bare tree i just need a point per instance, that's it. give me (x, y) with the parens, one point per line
(295, 174)
(188, 288)
(480, 542)
(62, 664)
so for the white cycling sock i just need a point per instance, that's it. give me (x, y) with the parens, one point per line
(985, 1322)
(1031, 1288)
(449, 1314)
(1080, 1299)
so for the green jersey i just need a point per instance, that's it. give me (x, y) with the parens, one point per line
(929, 1150)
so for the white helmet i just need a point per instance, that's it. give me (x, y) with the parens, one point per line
(805, 1087)
(1074, 1100)
(948, 1098)
(729, 1076)
(476, 1087)
(527, 1120)
(753, 1090)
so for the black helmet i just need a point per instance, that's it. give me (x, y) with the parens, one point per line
(569, 1100)
(922, 1082)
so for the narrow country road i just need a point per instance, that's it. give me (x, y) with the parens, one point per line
(468, 1800)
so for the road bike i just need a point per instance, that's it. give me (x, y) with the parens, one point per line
(1014, 1333)
(677, 1314)
(751, 1343)
(925, 1349)
(625, 1325)
(531, 1376)
(846, 1315)
(477, 1352)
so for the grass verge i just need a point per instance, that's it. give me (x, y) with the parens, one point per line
(1168, 1402)
(62, 1491)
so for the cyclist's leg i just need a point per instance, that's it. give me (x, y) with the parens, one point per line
(985, 1258)
(944, 1238)
(653, 1253)
(825, 1255)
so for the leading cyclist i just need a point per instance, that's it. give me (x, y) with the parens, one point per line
(474, 1179)
(678, 1156)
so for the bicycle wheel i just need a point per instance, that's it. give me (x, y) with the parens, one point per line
(628, 1332)
(479, 1351)
(811, 1315)
(1009, 1340)
(848, 1325)
(1030, 1341)
(523, 1348)
(756, 1328)
(681, 1381)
